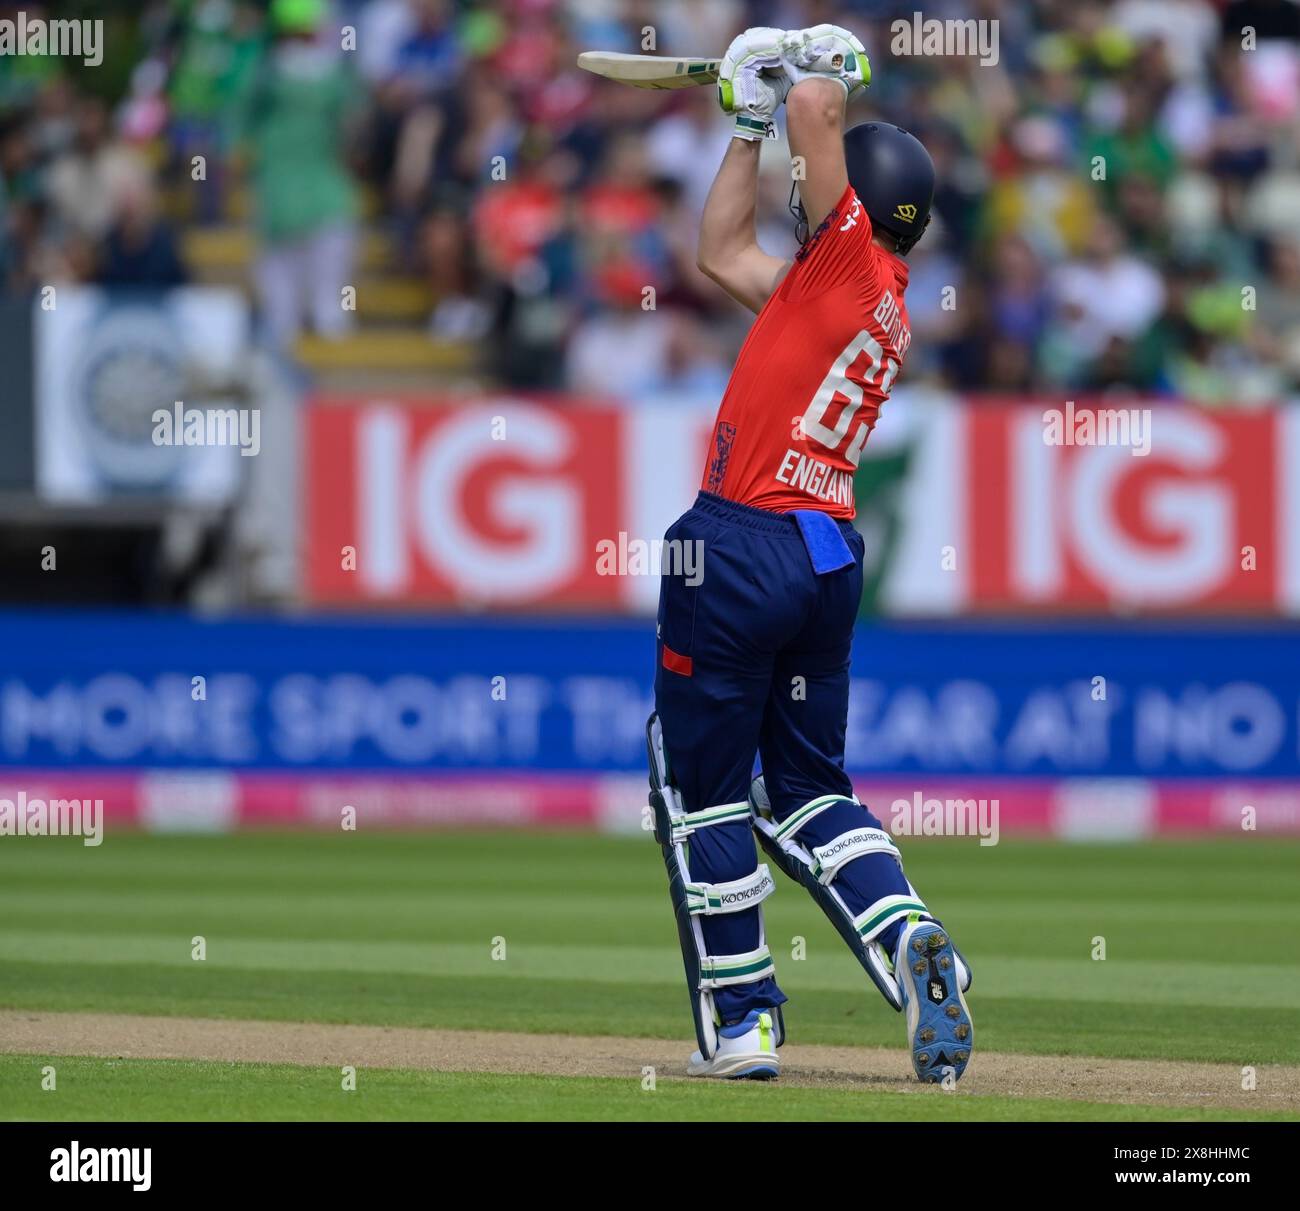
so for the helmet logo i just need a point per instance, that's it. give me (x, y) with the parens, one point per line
(905, 211)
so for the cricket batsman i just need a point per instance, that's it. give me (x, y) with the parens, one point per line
(753, 657)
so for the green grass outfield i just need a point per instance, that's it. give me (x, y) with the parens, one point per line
(1202, 947)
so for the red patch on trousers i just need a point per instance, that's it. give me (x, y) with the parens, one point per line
(675, 662)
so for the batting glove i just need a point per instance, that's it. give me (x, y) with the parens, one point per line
(752, 82)
(828, 51)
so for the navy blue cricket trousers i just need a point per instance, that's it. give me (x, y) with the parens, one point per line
(754, 660)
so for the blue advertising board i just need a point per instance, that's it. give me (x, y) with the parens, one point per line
(169, 691)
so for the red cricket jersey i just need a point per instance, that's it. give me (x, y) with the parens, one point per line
(813, 372)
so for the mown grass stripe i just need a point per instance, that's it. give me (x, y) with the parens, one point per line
(1188, 872)
(604, 917)
(1153, 982)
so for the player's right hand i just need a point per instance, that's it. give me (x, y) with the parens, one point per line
(752, 81)
(829, 51)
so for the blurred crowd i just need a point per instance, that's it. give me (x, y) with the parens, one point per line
(1119, 196)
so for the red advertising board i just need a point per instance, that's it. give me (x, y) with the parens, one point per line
(1191, 521)
(506, 502)
(479, 504)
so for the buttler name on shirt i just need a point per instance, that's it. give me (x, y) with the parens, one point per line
(890, 318)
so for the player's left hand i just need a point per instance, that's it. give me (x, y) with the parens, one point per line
(752, 81)
(829, 51)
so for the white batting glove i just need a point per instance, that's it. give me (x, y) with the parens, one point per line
(828, 51)
(752, 82)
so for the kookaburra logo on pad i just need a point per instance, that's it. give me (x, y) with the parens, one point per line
(905, 211)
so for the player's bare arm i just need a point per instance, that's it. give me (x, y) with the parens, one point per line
(815, 124)
(812, 72)
(728, 251)
(752, 83)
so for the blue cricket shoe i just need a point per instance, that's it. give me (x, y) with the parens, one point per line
(939, 1029)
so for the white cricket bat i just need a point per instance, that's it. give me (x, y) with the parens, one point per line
(664, 71)
(650, 71)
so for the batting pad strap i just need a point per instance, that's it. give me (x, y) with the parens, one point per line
(685, 823)
(827, 859)
(801, 815)
(884, 912)
(707, 899)
(717, 971)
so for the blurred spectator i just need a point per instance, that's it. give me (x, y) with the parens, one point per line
(452, 272)
(1103, 300)
(1187, 29)
(1278, 305)
(140, 249)
(84, 182)
(623, 349)
(632, 348)
(220, 41)
(1039, 194)
(685, 141)
(1018, 309)
(292, 122)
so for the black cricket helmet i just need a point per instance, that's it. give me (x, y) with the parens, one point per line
(893, 176)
